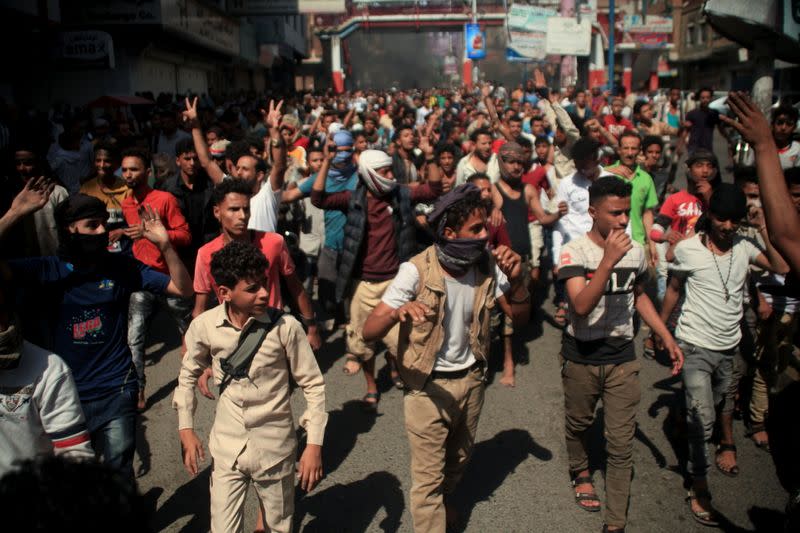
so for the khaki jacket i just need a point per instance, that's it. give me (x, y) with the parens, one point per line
(256, 411)
(419, 344)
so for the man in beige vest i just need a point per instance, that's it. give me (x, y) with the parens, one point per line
(443, 299)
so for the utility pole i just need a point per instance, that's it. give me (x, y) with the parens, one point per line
(475, 71)
(612, 26)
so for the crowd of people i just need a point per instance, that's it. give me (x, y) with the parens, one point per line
(425, 223)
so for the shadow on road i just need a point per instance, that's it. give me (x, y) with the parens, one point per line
(342, 431)
(491, 463)
(142, 446)
(191, 499)
(352, 507)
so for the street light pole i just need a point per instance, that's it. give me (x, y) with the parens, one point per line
(612, 26)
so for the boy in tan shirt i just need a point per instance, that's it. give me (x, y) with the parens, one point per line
(253, 437)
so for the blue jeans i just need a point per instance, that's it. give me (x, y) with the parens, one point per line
(706, 379)
(111, 422)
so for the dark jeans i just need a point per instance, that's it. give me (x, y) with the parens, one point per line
(111, 421)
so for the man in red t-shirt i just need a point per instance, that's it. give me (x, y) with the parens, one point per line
(231, 200)
(615, 123)
(143, 304)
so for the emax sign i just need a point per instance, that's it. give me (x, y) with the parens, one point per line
(85, 48)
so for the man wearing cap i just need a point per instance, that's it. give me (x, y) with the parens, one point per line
(711, 267)
(89, 291)
(378, 236)
(442, 300)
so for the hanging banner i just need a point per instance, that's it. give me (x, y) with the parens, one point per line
(565, 36)
(527, 32)
(475, 41)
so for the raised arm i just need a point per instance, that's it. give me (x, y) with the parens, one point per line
(180, 283)
(496, 124)
(277, 146)
(33, 196)
(212, 168)
(782, 219)
(538, 211)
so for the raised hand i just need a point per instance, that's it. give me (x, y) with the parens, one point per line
(272, 118)
(618, 243)
(152, 228)
(752, 123)
(190, 114)
(33, 196)
(538, 79)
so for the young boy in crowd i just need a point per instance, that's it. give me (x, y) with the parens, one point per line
(253, 437)
(605, 274)
(712, 268)
(443, 300)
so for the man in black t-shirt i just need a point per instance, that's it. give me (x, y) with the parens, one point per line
(701, 121)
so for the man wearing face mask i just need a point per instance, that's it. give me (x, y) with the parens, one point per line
(88, 293)
(442, 300)
(378, 236)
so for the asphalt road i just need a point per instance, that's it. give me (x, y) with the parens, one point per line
(517, 479)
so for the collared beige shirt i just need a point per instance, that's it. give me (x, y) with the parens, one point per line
(256, 411)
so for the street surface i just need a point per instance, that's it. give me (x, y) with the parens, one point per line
(517, 479)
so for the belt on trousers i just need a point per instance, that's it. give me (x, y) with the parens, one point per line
(456, 374)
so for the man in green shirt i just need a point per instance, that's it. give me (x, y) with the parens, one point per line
(643, 197)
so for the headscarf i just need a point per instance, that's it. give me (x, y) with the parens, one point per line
(456, 255)
(508, 150)
(368, 163)
(343, 166)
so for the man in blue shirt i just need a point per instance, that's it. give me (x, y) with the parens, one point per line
(88, 291)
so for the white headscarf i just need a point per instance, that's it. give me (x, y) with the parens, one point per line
(368, 163)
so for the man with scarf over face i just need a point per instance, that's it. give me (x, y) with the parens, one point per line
(443, 299)
(89, 290)
(378, 236)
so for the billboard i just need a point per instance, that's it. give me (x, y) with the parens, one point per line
(475, 41)
(565, 36)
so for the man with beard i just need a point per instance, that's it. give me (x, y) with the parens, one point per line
(143, 304)
(481, 159)
(378, 236)
(643, 196)
(88, 290)
(712, 268)
(442, 300)
(700, 123)
(515, 200)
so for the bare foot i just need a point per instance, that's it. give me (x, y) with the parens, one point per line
(726, 461)
(761, 439)
(352, 365)
(508, 379)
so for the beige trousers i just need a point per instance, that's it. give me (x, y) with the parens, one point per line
(441, 422)
(366, 296)
(274, 486)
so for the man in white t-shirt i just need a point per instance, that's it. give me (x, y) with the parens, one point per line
(711, 267)
(784, 123)
(444, 298)
(605, 273)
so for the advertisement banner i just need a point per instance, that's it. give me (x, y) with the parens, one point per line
(650, 24)
(529, 18)
(530, 45)
(475, 41)
(565, 36)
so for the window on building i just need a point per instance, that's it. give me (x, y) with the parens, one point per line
(689, 34)
(701, 33)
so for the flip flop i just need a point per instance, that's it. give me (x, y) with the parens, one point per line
(370, 405)
(585, 496)
(706, 518)
(734, 471)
